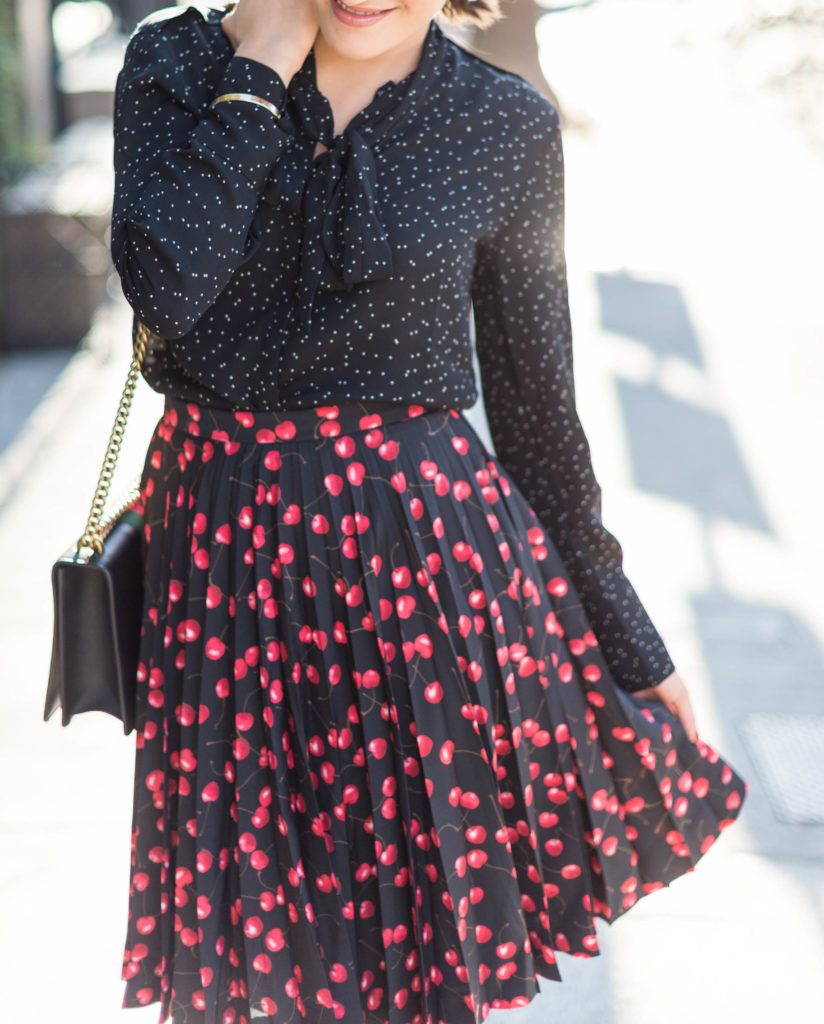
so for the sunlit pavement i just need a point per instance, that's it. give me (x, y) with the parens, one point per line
(694, 241)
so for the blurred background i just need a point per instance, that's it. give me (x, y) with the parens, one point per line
(694, 148)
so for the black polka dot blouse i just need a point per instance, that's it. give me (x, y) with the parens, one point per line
(279, 281)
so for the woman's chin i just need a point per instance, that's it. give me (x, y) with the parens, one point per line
(356, 41)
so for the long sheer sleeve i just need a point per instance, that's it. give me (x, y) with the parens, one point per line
(524, 346)
(187, 176)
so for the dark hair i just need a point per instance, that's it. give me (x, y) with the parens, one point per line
(474, 13)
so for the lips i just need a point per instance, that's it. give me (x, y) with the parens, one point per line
(362, 11)
(358, 16)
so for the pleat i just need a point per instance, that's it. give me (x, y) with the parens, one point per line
(382, 773)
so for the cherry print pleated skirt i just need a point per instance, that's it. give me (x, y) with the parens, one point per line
(383, 774)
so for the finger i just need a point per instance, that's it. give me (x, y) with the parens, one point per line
(683, 708)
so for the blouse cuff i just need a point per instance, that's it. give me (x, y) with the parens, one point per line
(248, 136)
(243, 74)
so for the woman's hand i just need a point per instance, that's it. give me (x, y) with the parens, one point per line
(279, 33)
(673, 692)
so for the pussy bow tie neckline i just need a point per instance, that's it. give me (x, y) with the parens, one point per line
(344, 242)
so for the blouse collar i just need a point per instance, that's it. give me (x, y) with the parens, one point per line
(391, 104)
(344, 242)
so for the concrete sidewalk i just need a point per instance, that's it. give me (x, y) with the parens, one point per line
(694, 238)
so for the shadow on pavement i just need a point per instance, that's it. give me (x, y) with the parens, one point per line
(762, 659)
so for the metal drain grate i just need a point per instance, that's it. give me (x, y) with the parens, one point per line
(788, 752)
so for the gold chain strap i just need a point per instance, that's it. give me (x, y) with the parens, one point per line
(95, 532)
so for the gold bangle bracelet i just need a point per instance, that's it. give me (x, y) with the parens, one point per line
(247, 98)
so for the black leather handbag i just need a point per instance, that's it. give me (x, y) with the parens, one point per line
(98, 594)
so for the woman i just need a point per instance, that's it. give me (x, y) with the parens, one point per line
(404, 728)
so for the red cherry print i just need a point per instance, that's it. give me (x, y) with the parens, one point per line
(286, 430)
(476, 858)
(333, 483)
(324, 997)
(210, 792)
(370, 422)
(338, 973)
(274, 940)
(355, 472)
(461, 490)
(460, 444)
(292, 514)
(320, 524)
(700, 788)
(424, 745)
(434, 563)
(442, 484)
(377, 747)
(462, 551)
(474, 671)
(215, 648)
(623, 733)
(389, 450)
(345, 447)
(188, 630)
(434, 694)
(401, 577)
